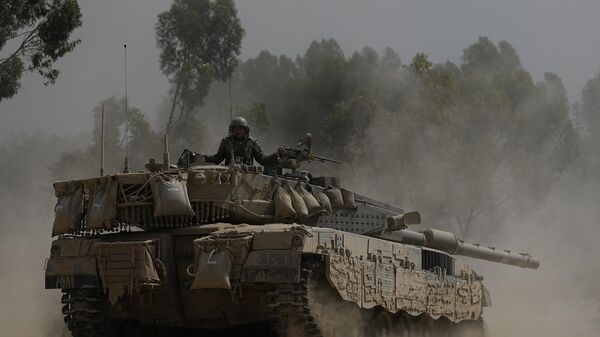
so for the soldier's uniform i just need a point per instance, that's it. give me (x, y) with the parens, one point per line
(245, 151)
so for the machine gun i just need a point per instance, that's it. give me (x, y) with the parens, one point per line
(292, 157)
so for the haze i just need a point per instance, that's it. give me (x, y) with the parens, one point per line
(549, 35)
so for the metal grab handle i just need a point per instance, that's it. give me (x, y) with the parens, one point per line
(161, 267)
(188, 271)
(209, 260)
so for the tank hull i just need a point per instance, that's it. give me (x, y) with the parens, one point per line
(224, 276)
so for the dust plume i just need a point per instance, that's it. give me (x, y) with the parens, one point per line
(26, 215)
(480, 147)
(561, 298)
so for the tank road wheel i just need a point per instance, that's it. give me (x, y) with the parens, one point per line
(424, 326)
(470, 328)
(383, 324)
(386, 324)
(83, 311)
(404, 325)
(443, 327)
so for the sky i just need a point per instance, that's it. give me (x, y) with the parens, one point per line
(550, 36)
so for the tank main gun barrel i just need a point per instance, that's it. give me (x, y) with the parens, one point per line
(451, 244)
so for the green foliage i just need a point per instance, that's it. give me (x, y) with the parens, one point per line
(41, 30)
(590, 105)
(463, 143)
(199, 41)
(256, 115)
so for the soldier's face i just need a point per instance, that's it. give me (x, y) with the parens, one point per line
(239, 132)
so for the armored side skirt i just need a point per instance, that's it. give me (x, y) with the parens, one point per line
(220, 275)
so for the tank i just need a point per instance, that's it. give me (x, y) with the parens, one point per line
(189, 249)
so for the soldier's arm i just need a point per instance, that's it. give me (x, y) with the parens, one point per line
(218, 157)
(259, 156)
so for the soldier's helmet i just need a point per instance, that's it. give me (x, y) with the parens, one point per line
(239, 121)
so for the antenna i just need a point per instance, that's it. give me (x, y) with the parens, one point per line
(231, 162)
(126, 168)
(166, 159)
(230, 101)
(102, 143)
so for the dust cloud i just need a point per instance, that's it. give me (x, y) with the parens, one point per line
(561, 298)
(561, 229)
(26, 215)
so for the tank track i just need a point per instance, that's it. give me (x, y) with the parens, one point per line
(83, 312)
(289, 307)
(309, 309)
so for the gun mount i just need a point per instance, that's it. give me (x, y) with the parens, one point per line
(292, 157)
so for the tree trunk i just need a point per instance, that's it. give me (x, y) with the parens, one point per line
(173, 105)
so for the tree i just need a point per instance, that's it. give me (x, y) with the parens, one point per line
(256, 115)
(199, 41)
(143, 143)
(588, 112)
(38, 32)
(590, 105)
(465, 143)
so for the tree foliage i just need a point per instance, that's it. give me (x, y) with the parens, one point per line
(199, 41)
(33, 36)
(588, 112)
(464, 143)
(143, 143)
(461, 142)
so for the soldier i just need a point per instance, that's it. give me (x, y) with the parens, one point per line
(245, 148)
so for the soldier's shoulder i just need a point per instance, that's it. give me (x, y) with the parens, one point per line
(253, 140)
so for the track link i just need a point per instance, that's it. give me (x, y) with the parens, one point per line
(83, 312)
(312, 308)
(289, 306)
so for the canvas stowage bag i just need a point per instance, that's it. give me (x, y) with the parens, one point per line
(335, 196)
(349, 200)
(284, 210)
(68, 211)
(213, 270)
(312, 205)
(323, 200)
(297, 203)
(103, 206)
(170, 196)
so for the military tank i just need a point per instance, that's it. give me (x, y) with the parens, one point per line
(193, 248)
